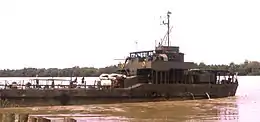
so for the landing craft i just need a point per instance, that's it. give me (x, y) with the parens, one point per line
(159, 74)
(163, 71)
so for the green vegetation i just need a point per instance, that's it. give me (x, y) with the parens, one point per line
(55, 72)
(246, 68)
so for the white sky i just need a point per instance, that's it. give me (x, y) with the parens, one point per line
(66, 33)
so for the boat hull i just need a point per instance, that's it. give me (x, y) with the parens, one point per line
(138, 93)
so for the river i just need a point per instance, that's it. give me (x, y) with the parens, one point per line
(244, 107)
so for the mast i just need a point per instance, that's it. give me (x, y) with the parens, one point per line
(168, 27)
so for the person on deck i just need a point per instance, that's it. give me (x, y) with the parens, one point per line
(28, 85)
(99, 84)
(52, 84)
(37, 83)
(76, 80)
(82, 80)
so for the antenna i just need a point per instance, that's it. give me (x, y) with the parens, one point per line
(168, 26)
(155, 42)
(136, 45)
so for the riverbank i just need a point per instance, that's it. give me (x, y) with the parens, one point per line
(248, 68)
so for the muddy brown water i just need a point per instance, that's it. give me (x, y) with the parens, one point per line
(244, 107)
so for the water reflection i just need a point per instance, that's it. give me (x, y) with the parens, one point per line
(11, 117)
(196, 110)
(227, 109)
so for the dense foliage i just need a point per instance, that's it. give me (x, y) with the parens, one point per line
(55, 72)
(246, 68)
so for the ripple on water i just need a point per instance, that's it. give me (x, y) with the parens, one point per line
(82, 117)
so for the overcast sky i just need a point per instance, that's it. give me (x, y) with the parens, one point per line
(66, 33)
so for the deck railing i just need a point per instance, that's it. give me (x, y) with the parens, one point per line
(43, 87)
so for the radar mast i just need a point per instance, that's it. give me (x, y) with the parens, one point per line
(168, 26)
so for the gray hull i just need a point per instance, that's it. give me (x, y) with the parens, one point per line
(136, 93)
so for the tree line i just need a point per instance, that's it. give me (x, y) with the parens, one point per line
(246, 68)
(55, 72)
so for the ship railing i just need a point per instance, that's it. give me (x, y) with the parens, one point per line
(60, 86)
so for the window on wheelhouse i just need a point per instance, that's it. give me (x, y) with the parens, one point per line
(142, 55)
